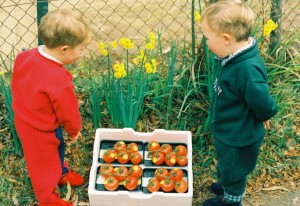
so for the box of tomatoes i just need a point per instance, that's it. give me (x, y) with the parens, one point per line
(141, 169)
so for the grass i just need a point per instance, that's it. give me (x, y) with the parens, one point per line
(177, 98)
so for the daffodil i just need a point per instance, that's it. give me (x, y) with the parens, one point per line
(150, 67)
(197, 16)
(113, 44)
(150, 41)
(140, 58)
(101, 45)
(104, 52)
(119, 70)
(120, 74)
(126, 43)
(269, 27)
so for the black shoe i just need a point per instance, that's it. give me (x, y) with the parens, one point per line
(219, 201)
(217, 189)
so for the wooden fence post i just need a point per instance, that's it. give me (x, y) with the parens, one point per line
(275, 36)
(42, 9)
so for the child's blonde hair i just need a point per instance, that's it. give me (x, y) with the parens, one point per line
(63, 27)
(230, 16)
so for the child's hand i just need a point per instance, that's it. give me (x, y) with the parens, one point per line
(75, 138)
(267, 124)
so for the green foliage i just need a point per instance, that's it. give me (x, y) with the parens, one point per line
(6, 91)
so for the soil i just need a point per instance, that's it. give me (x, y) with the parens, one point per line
(273, 198)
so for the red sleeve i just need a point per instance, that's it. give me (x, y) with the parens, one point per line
(66, 108)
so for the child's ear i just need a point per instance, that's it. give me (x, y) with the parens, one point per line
(227, 39)
(63, 49)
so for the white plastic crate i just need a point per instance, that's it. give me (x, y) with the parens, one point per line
(139, 198)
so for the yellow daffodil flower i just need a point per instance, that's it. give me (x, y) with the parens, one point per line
(269, 27)
(119, 70)
(197, 16)
(101, 45)
(126, 43)
(139, 58)
(113, 44)
(150, 41)
(150, 67)
(104, 52)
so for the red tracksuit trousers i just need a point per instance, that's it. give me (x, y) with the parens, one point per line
(42, 160)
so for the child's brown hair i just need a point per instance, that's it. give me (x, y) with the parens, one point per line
(63, 27)
(230, 16)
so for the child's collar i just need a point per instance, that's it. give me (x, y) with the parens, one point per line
(225, 60)
(41, 51)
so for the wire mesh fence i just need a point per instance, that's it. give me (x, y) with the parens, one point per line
(110, 20)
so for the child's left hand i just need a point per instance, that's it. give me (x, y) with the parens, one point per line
(267, 124)
(75, 138)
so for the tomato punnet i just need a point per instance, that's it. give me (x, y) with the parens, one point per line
(167, 185)
(180, 150)
(153, 145)
(166, 148)
(171, 159)
(181, 186)
(135, 171)
(106, 170)
(182, 160)
(176, 174)
(136, 158)
(132, 147)
(109, 156)
(153, 185)
(161, 173)
(131, 183)
(158, 158)
(121, 173)
(111, 183)
(119, 146)
(123, 157)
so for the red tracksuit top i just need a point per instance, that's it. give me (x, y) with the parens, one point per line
(43, 93)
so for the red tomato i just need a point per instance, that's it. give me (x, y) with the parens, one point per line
(182, 160)
(158, 158)
(181, 150)
(106, 170)
(132, 147)
(166, 148)
(161, 173)
(131, 183)
(111, 183)
(181, 186)
(119, 146)
(121, 173)
(171, 159)
(123, 157)
(167, 185)
(136, 158)
(109, 156)
(135, 171)
(153, 185)
(176, 174)
(153, 145)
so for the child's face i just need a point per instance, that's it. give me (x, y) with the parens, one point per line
(70, 54)
(215, 42)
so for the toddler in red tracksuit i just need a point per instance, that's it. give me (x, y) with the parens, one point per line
(44, 103)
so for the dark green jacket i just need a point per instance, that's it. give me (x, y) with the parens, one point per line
(241, 100)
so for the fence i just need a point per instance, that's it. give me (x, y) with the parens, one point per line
(112, 19)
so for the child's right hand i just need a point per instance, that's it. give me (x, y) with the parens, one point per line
(75, 138)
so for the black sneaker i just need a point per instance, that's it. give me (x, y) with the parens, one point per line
(217, 189)
(219, 201)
